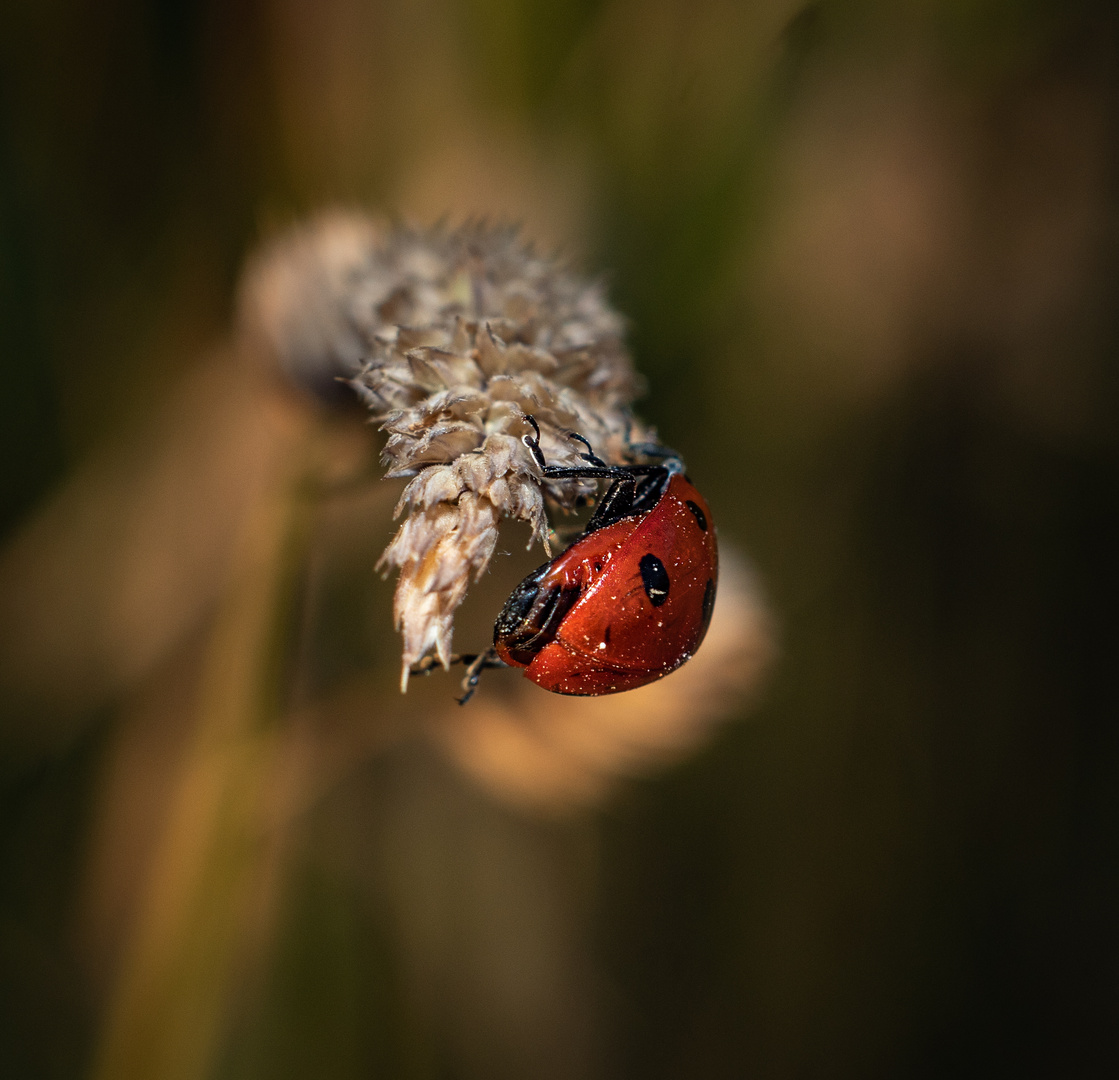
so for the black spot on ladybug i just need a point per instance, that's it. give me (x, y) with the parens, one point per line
(708, 604)
(606, 635)
(655, 579)
(698, 514)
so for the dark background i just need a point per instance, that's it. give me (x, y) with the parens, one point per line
(869, 254)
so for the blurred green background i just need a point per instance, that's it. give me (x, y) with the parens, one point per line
(869, 254)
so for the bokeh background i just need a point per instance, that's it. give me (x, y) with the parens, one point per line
(869, 251)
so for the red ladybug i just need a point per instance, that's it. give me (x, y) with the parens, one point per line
(628, 602)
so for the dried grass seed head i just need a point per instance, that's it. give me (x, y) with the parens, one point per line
(469, 330)
(461, 332)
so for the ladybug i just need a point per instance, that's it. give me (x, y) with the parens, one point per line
(629, 601)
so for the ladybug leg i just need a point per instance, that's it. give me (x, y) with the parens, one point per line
(428, 664)
(533, 444)
(475, 667)
(616, 504)
(596, 470)
(590, 456)
(475, 663)
(621, 499)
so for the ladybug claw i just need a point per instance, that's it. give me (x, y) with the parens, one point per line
(591, 457)
(475, 666)
(427, 665)
(532, 443)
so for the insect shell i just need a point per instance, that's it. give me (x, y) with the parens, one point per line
(630, 600)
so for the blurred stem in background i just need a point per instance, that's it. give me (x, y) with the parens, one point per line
(202, 917)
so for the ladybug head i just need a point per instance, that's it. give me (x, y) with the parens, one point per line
(655, 453)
